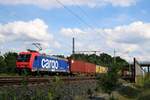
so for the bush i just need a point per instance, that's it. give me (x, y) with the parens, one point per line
(139, 80)
(108, 82)
(147, 84)
(8, 62)
(128, 91)
(145, 95)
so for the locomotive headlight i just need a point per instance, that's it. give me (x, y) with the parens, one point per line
(72, 61)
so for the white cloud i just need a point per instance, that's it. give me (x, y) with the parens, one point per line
(73, 32)
(134, 33)
(131, 40)
(21, 33)
(123, 3)
(54, 3)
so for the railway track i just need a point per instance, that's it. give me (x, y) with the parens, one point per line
(6, 81)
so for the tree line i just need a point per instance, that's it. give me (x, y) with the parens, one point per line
(103, 59)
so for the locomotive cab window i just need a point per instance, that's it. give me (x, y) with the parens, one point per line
(23, 57)
(35, 57)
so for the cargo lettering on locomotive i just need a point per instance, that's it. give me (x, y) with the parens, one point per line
(46, 63)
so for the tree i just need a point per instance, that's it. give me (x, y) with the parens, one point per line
(2, 64)
(121, 62)
(108, 82)
(60, 56)
(10, 60)
(106, 59)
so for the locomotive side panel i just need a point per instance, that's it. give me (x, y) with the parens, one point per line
(44, 63)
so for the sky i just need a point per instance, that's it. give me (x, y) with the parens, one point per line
(99, 25)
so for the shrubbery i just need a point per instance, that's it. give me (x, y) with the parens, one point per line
(8, 62)
(54, 90)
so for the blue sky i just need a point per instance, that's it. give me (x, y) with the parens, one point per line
(104, 25)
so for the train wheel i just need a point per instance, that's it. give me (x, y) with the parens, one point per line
(18, 71)
(34, 73)
(25, 72)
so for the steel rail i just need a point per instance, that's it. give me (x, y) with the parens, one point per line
(37, 80)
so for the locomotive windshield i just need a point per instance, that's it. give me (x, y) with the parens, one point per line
(24, 58)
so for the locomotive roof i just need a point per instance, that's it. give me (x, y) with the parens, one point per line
(54, 57)
(44, 55)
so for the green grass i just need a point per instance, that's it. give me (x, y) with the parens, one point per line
(129, 92)
(145, 95)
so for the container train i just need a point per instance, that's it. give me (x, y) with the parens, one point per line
(33, 62)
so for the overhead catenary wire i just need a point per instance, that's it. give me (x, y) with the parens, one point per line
(78, 17)
(85, 14)
(82, 10)
(74, 14)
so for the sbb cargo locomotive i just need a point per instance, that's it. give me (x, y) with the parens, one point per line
(32, 61)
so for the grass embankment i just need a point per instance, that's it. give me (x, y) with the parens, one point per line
(54, 90)
(57, 90)
(8, 74)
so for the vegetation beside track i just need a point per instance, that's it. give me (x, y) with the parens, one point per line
(88, 90)
(8, 63)
(55, 90)
(123, 90)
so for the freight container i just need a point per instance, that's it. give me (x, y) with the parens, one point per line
(90, 68)
(77, 66)
(52, 64)
(101, 69)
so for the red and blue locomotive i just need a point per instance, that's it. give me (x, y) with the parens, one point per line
(33, 61)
